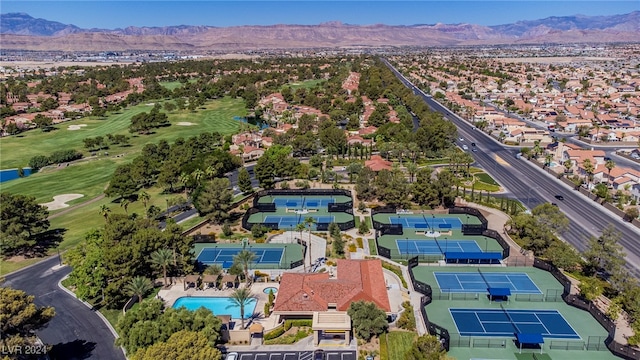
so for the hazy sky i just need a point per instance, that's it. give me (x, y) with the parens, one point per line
(112, 14)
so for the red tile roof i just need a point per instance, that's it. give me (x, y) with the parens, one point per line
(377, 163)
(356, 280)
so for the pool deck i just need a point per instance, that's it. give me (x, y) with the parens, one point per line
(169, 296)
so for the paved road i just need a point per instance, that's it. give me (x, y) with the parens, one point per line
(532, 187)
(76, 332)
(296, 355)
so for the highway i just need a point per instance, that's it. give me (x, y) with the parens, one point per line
(533, 186)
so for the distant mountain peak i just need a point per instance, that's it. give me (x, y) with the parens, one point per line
(25, 24)
(41, 34)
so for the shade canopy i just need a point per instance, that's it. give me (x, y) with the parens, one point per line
(530, 338)
(498, 291)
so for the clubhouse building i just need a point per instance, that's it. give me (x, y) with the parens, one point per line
(325, 297)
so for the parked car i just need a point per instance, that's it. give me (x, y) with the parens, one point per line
(232, 356)
(318, 354)
(465, 147)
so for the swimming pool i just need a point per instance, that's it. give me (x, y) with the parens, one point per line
(218, 305)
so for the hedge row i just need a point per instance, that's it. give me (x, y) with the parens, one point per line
(297, 323)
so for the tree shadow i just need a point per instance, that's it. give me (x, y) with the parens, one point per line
(45, 241)
(77, 349)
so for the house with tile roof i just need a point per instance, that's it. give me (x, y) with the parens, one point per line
(377, 163)
(326, 297)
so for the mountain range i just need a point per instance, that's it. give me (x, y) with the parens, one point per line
(20, 31)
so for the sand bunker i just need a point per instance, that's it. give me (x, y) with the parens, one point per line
(60, 201)
(76, 127)
(184, 123)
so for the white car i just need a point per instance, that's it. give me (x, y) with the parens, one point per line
(232, 356)
(465, 147)
(461, 139)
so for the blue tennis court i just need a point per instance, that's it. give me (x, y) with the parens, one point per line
(436, 247)
(461, 282)
(285, 221)
(302, 203)
(425, 222)
(506, 323)
(225, 256)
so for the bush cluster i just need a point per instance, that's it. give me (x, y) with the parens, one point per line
(39, 161)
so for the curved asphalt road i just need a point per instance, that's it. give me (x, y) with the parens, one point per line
(76, 332)
(532, 186)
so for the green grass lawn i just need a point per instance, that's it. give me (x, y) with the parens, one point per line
(479, 185)
(373, 250)
(88, 178)
(486, 178)
(91, 176)
(78, 222)
(398, 343)
(192, 222)
(307, 84)
(170, 85)
(217, 115)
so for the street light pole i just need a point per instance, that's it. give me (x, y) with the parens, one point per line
(406, 242)
(529, 195)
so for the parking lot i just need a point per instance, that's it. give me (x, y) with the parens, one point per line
(296, 355)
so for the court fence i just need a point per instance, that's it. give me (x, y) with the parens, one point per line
(271, 207)
(201, 238)
(425, 289)
(624, 351)
(300, 192)
(344, 207)
(501, 241)
(295, 264)
(381, 210)
(594, 343)
(471, 229)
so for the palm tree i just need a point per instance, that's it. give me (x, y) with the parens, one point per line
(244, 258)
(211, 171)
(309, 221)
(242, 297)
(588, 169)
(215, 269)
(467, 160)
(184, 179)
(412, 169)
(162, 258)
(536, 148)
(138, 286)
(124, 203)
(567, 165)
(144, 196)
(609, 165)
(104, 211)
(197, 175)
(547, 160)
